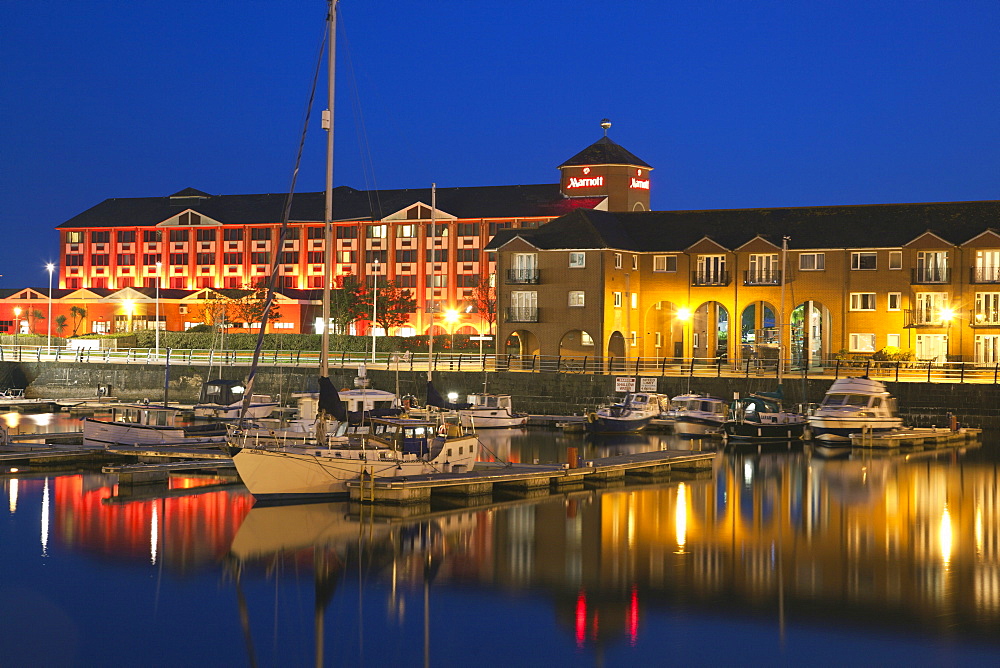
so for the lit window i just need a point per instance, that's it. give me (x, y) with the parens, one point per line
(577, 260)
(618, 299)
(375, 231)
(863, 261)
(618, 260)
(862, 301)
(576, 298)
(892, 302)
(635, 300)
(635, 263)
(892, 340)
(895, 259)
(863, 343)
(812, 261)
(586, 339)
(658, 339)
(664, 263)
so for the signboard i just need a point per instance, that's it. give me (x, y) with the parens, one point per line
(624, 384)
(647, 384)
(480, 338)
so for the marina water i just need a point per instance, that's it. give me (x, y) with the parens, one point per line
(781, 554)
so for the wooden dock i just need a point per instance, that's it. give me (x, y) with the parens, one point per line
(919, 437)
(140, 474)
(486, 479)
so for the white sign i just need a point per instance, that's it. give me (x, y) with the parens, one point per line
(592, 182)
(624, 384)
(647, 384)
(480, 338)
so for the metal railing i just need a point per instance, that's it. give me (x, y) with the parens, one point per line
(762, 277)
(927, 275)
(522, 314)
(714, 277)
(984, 274)
(902, 371)
(522, 276)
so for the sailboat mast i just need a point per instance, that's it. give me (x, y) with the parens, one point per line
(781, 308)
(331, 20)
(430, 330)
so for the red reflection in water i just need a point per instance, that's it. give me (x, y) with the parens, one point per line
(581, 619)
(192, 530)
(632, 616)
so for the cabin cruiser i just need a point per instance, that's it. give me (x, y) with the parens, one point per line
(148, 424)
(853, 406)
(395, 446)
(760, 417)
(223, 398)
(698, 414)
(633, 413)
(490, 410)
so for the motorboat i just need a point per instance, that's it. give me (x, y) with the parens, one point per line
(395, 446)
(223, 399)
(698, 414)
(633, 413)
(853, 406)
(491, 411)
(148, 424)
(760, 417)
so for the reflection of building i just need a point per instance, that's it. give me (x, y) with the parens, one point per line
(195, 246)
(711, 284)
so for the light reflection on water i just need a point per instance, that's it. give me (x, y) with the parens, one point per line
(778, 551)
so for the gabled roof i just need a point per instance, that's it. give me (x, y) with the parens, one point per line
(348, 205)
(855, 226)
(604, 152)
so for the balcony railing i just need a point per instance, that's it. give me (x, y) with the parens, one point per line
(930, 275)
(717, 277)
(984, 274)
(984, 318)
(924, 318)
(522, 314)
(522, 276)
(762, 277)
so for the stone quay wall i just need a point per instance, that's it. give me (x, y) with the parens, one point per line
(544, 393)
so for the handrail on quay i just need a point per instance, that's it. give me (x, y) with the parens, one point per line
(927, 371)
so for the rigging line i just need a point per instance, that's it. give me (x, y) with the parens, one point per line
(277, 250)
(495, 455)
(364, 147)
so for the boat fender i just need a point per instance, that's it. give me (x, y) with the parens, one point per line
(591, 417)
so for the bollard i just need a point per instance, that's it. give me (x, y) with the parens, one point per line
(571, 457)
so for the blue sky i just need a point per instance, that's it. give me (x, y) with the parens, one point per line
(735, 104)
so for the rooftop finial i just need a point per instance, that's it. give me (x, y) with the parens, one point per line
(605, 123)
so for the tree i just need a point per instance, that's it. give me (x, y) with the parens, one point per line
(348, 303)
(34, 315)
(249, 308)
(79, 315)
(214, 311)
(485, 299)
(60, 324)
(395, 304)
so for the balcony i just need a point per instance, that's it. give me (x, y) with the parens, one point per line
(984, 319)
(924, 318)
(984, 274)
(522, 314)
(762, 277)
(930, 275)
(522, 276)
(714, 277)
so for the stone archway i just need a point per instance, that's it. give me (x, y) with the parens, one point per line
(616, 351)
(758, 332)
(664, 331)
(710, 333)
(810, 334)
(522, 346)
(577, 343)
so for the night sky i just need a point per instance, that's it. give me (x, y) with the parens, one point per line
(736, 104)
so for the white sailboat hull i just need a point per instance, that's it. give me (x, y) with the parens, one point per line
(105, 433)
(491, 418)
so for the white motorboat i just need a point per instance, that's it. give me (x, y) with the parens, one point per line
(698, 414)
(394, 447)
(147, 424)
(633, 413)
(223, 398)
(491, 411)
(853, 406)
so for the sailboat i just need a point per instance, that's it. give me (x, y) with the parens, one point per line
(321, 467)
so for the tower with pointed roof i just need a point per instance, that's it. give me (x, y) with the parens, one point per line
(605, 169)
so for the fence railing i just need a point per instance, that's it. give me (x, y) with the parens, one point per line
(913, 371)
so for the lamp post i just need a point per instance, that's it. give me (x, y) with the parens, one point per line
(129, 311)
(451, 317)
(684, 315)
(374, 306)
(50, 267)
(157, 323)
(17, 323)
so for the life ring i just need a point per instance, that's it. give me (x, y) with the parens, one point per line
(443, 431)
(591, 417)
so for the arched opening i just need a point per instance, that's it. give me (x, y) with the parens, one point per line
(616, 351)
(522, 346)
(467, 329)
(759, 332)
(577, 343)
(664, 332)
(810, 334)
(710, 333)
(438, 330)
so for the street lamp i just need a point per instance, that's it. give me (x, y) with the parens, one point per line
(129, 310)
(17, 323)
(451, 317)
(374, 306)
(50, 267)
(157, 323)
(684, 315)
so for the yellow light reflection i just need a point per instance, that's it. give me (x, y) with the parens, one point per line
(979, 530)
(41, 419)
(680, 517)
(12, 420)
(13, 495)
(944, 536)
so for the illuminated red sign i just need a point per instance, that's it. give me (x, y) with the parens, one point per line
(591, 182)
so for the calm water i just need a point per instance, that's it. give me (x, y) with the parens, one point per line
(776, 556)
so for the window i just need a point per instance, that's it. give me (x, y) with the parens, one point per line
(205, 258)
(437, 230)
(406, 280)
(863, 343)
(100, 237)
(987, 311)
(205, 235)
(892, 301)
(812, 261)
(375, 231)
(149, 259)
(178, 258)
(286, 257)
(126, 237)
(932, 308)
(632, 338)
(237, 258)
(664, 263)
(618, 299)
(892, 340)
(496, 227)
(100, 260)
(862, 301)
(315, 257)
(377, 256)
(315, 232)
(178, 235)
(233, 235)
(125, 260)
(468, 229)
(895, 259)
(577, 298)
(259, 258)
(74, 261)
(406, 256)
(291, 234)
(437, 254)
(635, 263)
(658, 339)
(586, 339)
(437, 281)
(189, 218)
(577, 260)
(635, 299)
(468, 280)
(347, 232)
(406, 231)
(932, 267)
(74, 237)
(260, 233)
(863, 261)
(345, 257)
(467, 254)
(618, 260)
(712, 270)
